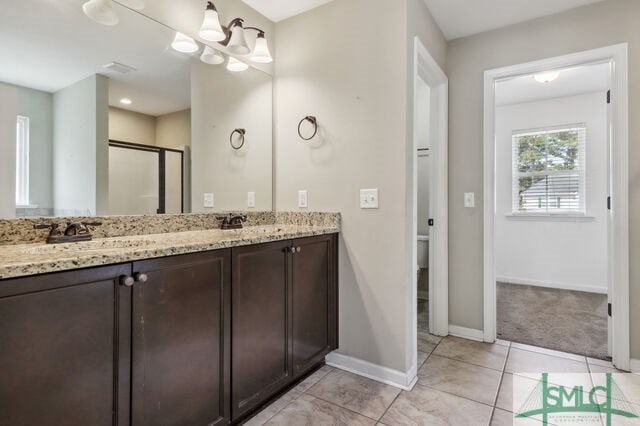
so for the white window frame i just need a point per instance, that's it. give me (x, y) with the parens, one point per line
(22, 161)
(581, 212)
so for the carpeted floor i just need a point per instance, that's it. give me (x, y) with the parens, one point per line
(564, 320)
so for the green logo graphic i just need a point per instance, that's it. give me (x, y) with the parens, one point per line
(548, 399)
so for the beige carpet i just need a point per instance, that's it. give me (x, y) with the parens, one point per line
(564, 320)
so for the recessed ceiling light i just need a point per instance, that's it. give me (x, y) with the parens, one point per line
(546, 77)
(126, 101)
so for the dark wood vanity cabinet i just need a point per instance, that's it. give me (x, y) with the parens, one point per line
(64, 348)
(198, 339)
(180, 340)
(284, 316)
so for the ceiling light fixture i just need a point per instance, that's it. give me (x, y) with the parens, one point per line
(546, 77)
(212, 56)
(126, 101)
(101, 11)
(184, 44)
(235, 65)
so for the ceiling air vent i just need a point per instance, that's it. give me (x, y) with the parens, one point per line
(119, 68)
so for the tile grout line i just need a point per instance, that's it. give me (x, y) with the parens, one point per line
(344, 408)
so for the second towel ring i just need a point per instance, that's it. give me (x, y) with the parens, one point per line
(240, 132)
(314, 121)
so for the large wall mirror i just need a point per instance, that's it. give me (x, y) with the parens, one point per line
(111, 120)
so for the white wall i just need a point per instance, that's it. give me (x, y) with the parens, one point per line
(80, 154)
(362, 105)
(38, 106)
(8, 97)
(596, 25)
(222, 101)
(545, 251)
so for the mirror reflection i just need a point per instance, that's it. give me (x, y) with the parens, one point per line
(110, 120)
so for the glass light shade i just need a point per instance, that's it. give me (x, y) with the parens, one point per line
(185, 44)
(261, 52)
(101, 11)
(211, 29)
(235, 65)
(546, 77)
(133, 4)
(238, 43)
(212, 56)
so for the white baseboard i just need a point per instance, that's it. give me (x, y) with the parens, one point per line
(634, 365)
(466, 333)
(381, 374)
(548, 284)
(424, 295)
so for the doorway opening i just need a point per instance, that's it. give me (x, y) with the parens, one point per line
(429, 227)
(556, 245)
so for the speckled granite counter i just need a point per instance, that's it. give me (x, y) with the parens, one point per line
(18, 260)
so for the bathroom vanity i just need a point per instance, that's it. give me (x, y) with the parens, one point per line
(189, 328)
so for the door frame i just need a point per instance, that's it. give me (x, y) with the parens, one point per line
(427, 69)
(618, 248)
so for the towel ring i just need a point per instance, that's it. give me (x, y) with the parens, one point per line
(314, 121)
(240, 132)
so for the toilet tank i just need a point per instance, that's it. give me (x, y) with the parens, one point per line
(423, 251)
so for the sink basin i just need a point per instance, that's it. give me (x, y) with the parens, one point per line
(88, 246)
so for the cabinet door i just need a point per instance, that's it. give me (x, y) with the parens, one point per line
(60, 347)
(180, 340)
(261, 292)
(314, 308)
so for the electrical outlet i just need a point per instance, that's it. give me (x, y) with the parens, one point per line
(208, 200)
(469, 200)
(303, 199)
(369, 199)
(251, 200)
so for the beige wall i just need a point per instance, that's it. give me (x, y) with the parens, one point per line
(222, 101)
(130, 126)
(601, 24)
(8, 110)
(352, 80)
(174, 130)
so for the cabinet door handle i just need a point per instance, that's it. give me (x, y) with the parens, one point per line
(141, 278)
(127, 281)
(299, 249)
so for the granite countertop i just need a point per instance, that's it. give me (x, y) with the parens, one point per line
(32, 259)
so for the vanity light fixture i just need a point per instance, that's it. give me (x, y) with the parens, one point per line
(212, 56)
(211, 30)
(233, 36)
(184, 44)
(101, 11)
(235, 65)
(126, 101)
(546, 77)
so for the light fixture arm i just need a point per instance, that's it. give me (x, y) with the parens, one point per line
(234, 22)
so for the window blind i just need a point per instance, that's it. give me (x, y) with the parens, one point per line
(549, 170)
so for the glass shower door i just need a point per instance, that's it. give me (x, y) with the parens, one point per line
(134, 181)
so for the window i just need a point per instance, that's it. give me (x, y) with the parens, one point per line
(22, 161)
(549, 170)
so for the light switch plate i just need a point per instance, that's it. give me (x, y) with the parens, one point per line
(303, 199)
(469, 200)
(251, 199)
(208, 200)
(369, 199)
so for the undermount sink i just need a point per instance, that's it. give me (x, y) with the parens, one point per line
(88, 246)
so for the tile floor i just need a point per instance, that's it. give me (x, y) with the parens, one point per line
(460, 382)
